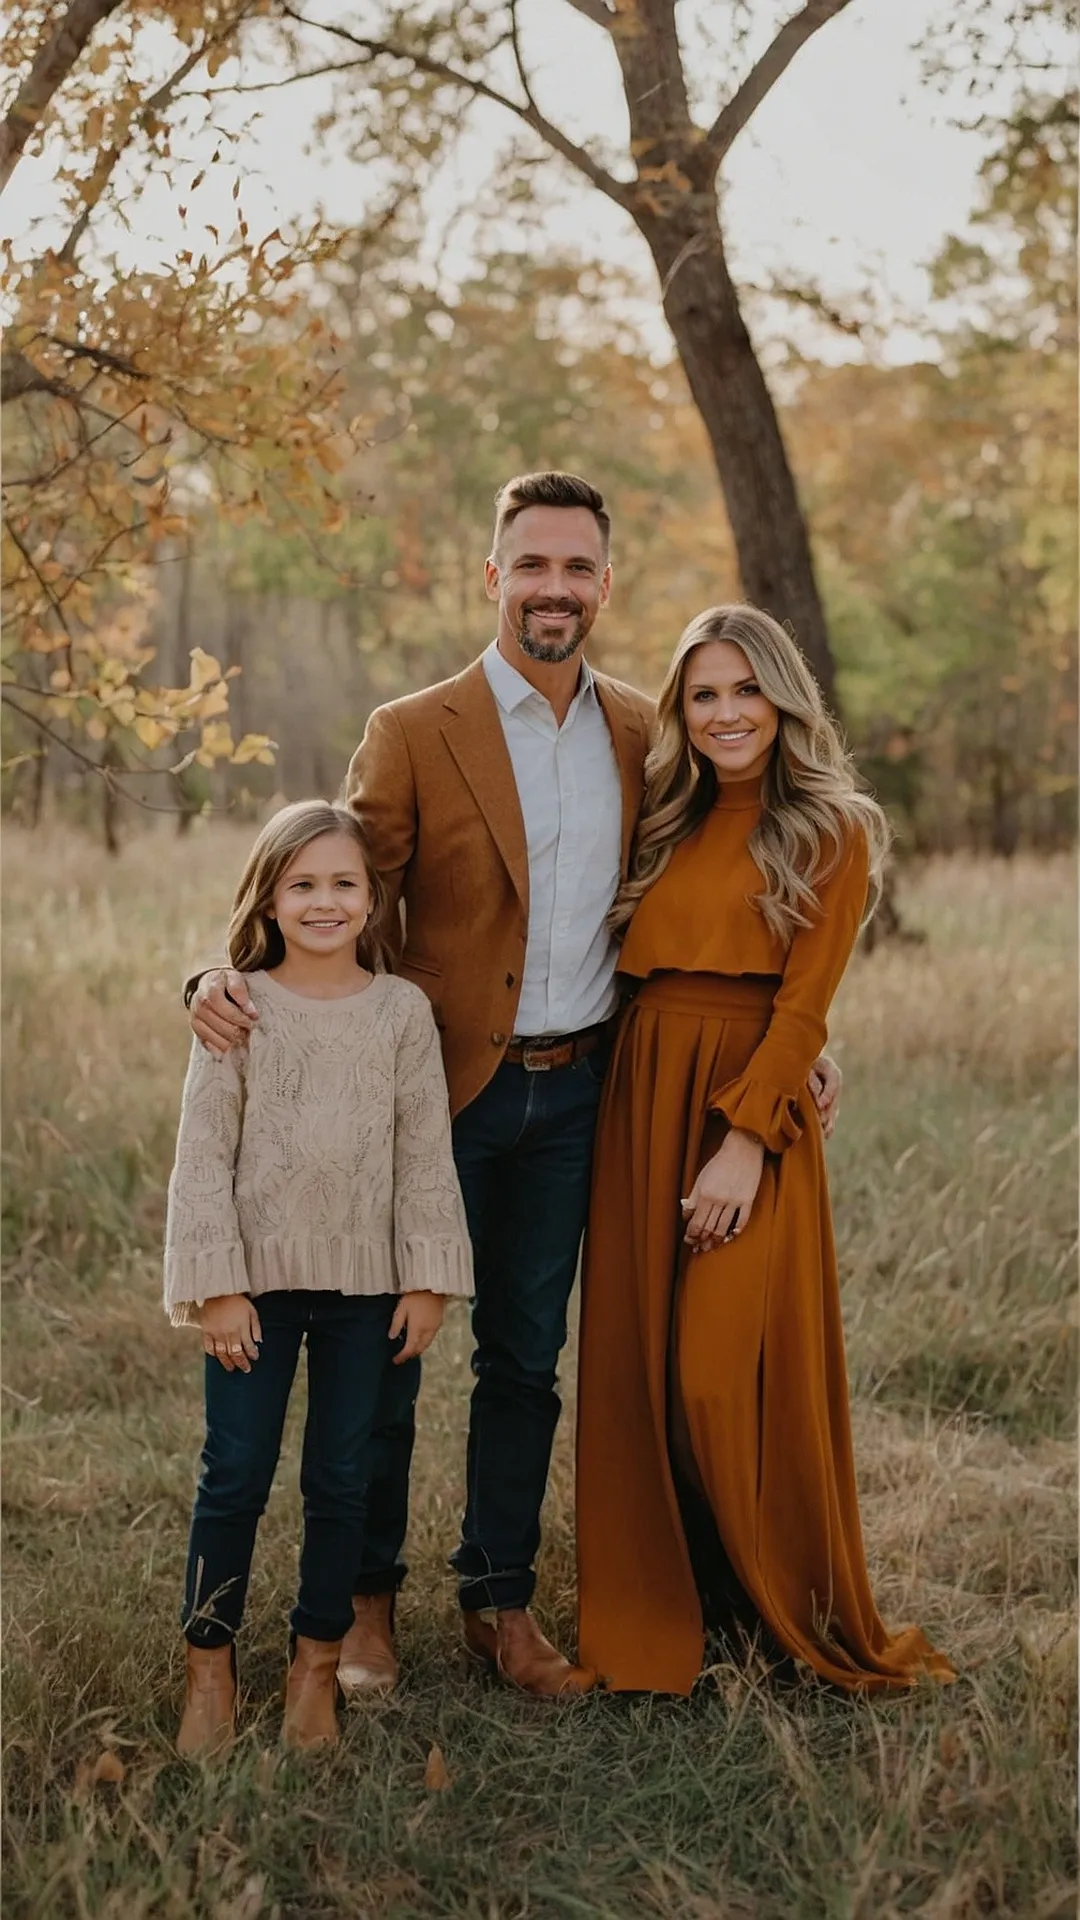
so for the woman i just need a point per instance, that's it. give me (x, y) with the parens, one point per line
(714, 1436)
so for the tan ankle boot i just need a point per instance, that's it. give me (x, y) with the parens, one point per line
(208, 1723)
(368, 1663)
(515, 1649)
(311, 1694)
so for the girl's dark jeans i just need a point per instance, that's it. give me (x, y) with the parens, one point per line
(351, 1381)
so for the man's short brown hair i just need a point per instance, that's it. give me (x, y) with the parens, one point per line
(548, 490)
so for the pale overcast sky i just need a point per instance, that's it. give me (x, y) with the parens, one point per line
(849, 171)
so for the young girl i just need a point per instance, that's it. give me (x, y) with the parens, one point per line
(314, 1194)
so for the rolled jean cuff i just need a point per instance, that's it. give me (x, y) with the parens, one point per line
(313, 1626)
(512, 1589)
(207, 1634)
(381, 1580)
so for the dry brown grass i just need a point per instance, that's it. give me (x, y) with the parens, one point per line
(954, 1184)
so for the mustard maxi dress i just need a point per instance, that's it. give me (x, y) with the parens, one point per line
(734, 1359)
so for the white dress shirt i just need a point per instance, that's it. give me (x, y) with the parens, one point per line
(571, 802)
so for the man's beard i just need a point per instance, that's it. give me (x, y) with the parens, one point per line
(558, 651)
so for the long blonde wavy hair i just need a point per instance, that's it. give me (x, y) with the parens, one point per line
(812, 804)
(254, 938)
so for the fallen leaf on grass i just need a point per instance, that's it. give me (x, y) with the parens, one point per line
(107, 1770)
(436, 1777)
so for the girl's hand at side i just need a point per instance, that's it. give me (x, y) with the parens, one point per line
(722, 1197)
(230, 1331)
(418, 1316)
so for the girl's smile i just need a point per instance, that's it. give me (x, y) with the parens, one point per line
(322, 902)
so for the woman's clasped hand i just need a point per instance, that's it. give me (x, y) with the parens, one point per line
(722, 1197)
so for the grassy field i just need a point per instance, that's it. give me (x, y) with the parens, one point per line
(954, 1184)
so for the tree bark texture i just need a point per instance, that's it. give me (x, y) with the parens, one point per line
(674, 205)
(736, 408)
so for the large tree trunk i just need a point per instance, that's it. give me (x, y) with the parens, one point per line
(729, 390)
(674, 204)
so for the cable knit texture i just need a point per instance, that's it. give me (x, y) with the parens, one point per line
(318, 1155)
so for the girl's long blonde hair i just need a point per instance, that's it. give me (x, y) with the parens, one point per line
(254, 938)
(812, 804)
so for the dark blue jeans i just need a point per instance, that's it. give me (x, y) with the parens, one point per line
(353, 1386)
(523, 1150)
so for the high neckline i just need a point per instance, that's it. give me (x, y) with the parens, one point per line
(738, 796)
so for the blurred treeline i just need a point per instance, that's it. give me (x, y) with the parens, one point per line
(940, 497)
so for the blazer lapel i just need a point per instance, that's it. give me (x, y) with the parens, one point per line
(474, 735)
(630, 740)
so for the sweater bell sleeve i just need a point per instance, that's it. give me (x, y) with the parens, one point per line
(432, 1250)
(766, 1098)
(204, 1252)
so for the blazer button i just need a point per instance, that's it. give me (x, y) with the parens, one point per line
(498, 1039)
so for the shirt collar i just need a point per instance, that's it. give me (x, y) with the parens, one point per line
(511, 689)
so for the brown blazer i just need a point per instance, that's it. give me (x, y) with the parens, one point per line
(433, 784)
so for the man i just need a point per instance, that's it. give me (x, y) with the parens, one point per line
(501, 807)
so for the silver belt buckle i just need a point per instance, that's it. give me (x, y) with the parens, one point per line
(536, 1058)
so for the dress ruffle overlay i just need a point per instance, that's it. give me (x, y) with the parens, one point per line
(748, 1337)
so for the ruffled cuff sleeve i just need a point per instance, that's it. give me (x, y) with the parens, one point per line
(761, 1109)
(196, 1274)
(441, 1263)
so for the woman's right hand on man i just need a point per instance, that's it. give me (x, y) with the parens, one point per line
(722, 1197)
(231, 1331)
(222, 1012)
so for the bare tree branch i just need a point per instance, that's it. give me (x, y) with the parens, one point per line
(49, 69)
(519, 58)
(284, 80)
(596, 10)
(441, 70)
(763, 76)
(100, 356)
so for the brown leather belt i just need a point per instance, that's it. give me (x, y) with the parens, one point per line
(558, 1050)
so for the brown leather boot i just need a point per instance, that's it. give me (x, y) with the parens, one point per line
(311, 1694)
(517, 1651)
(208, 1722)
(368, 1663)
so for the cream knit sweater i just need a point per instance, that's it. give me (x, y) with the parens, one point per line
(318, 1155)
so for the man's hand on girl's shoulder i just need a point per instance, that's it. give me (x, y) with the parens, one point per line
(222, 1012)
